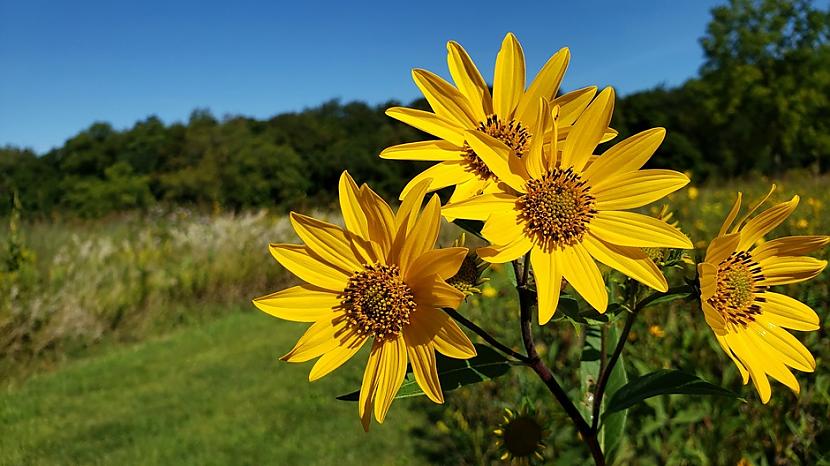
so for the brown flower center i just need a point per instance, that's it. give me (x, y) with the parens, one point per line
(522, 436)
(378, 302)
(513, 134)
(737, 294)
(557, 208)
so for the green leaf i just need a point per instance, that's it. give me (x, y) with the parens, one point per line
(453, 373)
(471, 226)
(681, 292)
(613, 426)
(662, 382)
(589, 363)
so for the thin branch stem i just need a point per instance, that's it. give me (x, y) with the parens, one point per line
(526, 298)
(605, 373)
(486, 336)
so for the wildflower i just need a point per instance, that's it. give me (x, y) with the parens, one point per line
(566, 215)
(749, 320)
(378, 279)
(521, 436)
(509, 115)
(468, 278)
(489, 292)
(693, 193)
(656, 331)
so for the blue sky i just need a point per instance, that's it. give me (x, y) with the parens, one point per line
(65, 65)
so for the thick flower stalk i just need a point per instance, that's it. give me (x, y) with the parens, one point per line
(567, 208)
(508, 115)
(379, 280)
(747, 318)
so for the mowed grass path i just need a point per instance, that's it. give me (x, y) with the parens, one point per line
(213, 394)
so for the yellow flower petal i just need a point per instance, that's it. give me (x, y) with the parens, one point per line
(708, 273)
(444, 99)
(548, 275)
(580, 270)
(737, 342)
(790, 246)
(435, 150)
(442, 262)
(368, 388)
(407, 214)
(424, 367)
(322, 337)
(303, 303)
(544, 86)
(499, 254)
(759, 226)
(466, 190)
(627, 155)
(509, 79)
(636, 189)
(772, 365)
(787, 312)
(633, 262)
(469, 81)
(353, 215)
(502, 228)
(741, 368)
(534, 159)
(499, 159)
(733, 212)
(638, 230)
(433, 291)
(714, 319)
(429, 122)
(442, 174)
(721, 247)
(381, 223)
(782, 270)
(573, 104)
(588, 131)
(480, 207)
(336, 357)
(791, 351)
(392, 367)
(445, 335)
(330, 242)
(423, 235)
(300, 261)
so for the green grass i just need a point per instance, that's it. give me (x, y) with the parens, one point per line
(209, 394)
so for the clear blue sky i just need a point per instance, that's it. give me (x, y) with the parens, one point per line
(67, 64)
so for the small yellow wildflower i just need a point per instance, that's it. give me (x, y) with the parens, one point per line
(693, 193)
(489, 292)
(656, 331)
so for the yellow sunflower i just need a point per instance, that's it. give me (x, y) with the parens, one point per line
(567, 212)
(378, 279)
(749, 320)
(509, 115)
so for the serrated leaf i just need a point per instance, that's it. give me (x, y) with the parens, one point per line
(663, 382)
(453, 373)
(669, 297)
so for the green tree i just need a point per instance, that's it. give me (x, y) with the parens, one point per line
(767, 82)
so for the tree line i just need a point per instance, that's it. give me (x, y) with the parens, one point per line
(759, 105)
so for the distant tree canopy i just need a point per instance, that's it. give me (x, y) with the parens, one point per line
(760, 105)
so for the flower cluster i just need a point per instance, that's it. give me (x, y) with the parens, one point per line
(526, 162)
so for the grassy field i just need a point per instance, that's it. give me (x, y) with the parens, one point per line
(209, 394)
(123, 342)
